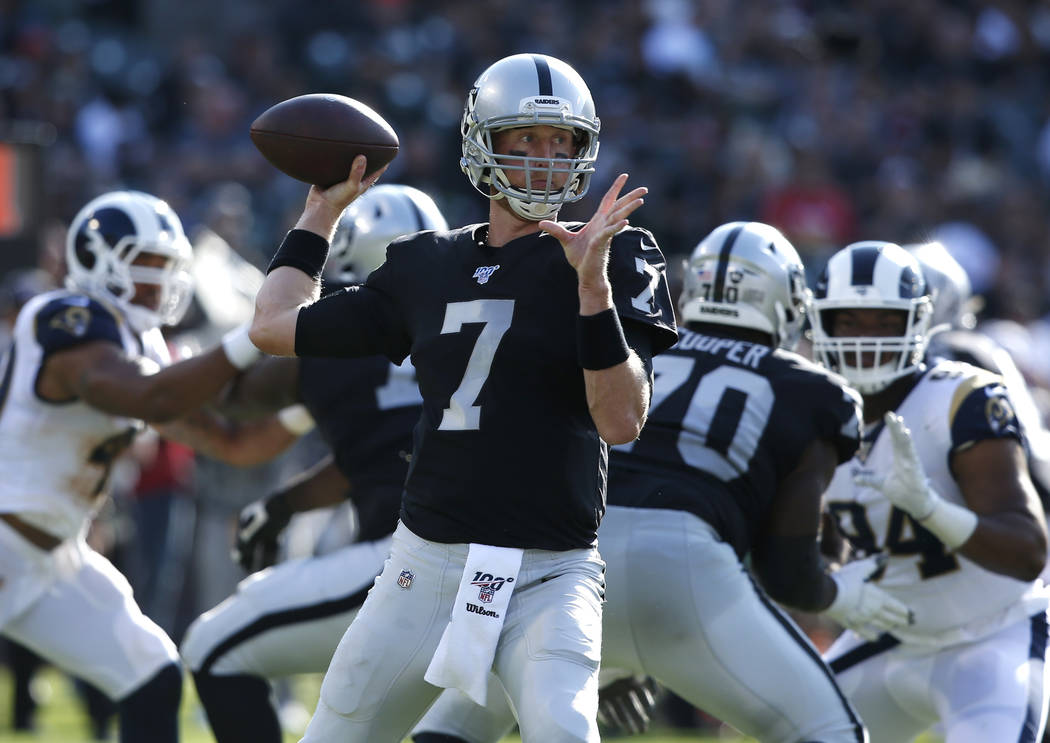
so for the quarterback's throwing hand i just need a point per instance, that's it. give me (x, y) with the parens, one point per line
(861, 605)
(259, 526)
(587, 249)
(906, 486)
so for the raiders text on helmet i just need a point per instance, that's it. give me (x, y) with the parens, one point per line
(748, 275)
(107, 237)
(871, 275)
(381, 214)
(529, 90)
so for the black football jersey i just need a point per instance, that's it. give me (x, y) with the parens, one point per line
(365, 410)
(729, 419)
(506, 452)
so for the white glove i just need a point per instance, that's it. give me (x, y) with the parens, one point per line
(908, 489)
(861, 605)
(238, 347)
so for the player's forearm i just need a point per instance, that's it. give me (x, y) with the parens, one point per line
(239, 444)
(320, 486)
(277, 305)
(1012, 544)
(618, 399)
(792, 572)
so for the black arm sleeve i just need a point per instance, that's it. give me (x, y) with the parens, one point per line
(791, 571)
(357, 321)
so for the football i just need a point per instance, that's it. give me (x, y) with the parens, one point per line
(315, 138)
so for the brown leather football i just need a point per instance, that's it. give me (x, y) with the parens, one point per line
(315, 138)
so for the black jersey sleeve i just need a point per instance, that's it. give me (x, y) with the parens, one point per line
(71, 321)
(982, 410)
(356, 321)
(833, 406)
(639, 283)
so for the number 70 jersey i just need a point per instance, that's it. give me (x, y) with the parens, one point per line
(729, 419)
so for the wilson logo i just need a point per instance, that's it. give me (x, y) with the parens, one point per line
(475, 609)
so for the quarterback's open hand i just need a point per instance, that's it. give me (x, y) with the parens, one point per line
(861, 605)
(587, 249)
(260, 524)
(906, 485)
(627, 704)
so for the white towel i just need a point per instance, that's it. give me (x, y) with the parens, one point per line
(464, 656)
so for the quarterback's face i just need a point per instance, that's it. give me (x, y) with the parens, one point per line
(540, 141)
(869, 323)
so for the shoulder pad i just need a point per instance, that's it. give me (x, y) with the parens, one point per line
(639, 283)
(73, 320)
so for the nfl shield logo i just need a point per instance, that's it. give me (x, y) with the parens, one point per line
(405, 579)
(486, 594)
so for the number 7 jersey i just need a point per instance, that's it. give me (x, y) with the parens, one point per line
(505, 452)
(952, 407)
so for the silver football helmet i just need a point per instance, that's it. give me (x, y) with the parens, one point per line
(948, 286)
(529, 90)
(871, 275)
(748, 275)
(104, 243)
(381, 214)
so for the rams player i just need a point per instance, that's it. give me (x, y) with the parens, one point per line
(941, 486)
(86, 367)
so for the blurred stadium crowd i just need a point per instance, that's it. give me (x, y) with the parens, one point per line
(899, 120)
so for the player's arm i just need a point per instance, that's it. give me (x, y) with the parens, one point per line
(240, 443)
(1010, 537)
(615, 379)
(787, 557)
(293, 280)
(265, 387)
(261, 522)
(101, 374)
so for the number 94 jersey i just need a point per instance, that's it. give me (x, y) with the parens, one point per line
(729, 419)
(952, 407)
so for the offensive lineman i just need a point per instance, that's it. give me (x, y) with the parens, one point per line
(940, 485)
(742, 438)
(290, 619)
(526, 370)
(82, 374)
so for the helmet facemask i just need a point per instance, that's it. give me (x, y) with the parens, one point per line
(106, 251)
(530, 90)
(892, 281)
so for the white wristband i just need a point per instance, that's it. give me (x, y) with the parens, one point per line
(297, 419)
(239, 349)
(951, 523)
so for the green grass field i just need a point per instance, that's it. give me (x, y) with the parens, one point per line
(61, 719)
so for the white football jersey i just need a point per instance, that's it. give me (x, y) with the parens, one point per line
(953, 406)
(55, 457)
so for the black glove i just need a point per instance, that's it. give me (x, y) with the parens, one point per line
(627, 703)
(261, 523)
